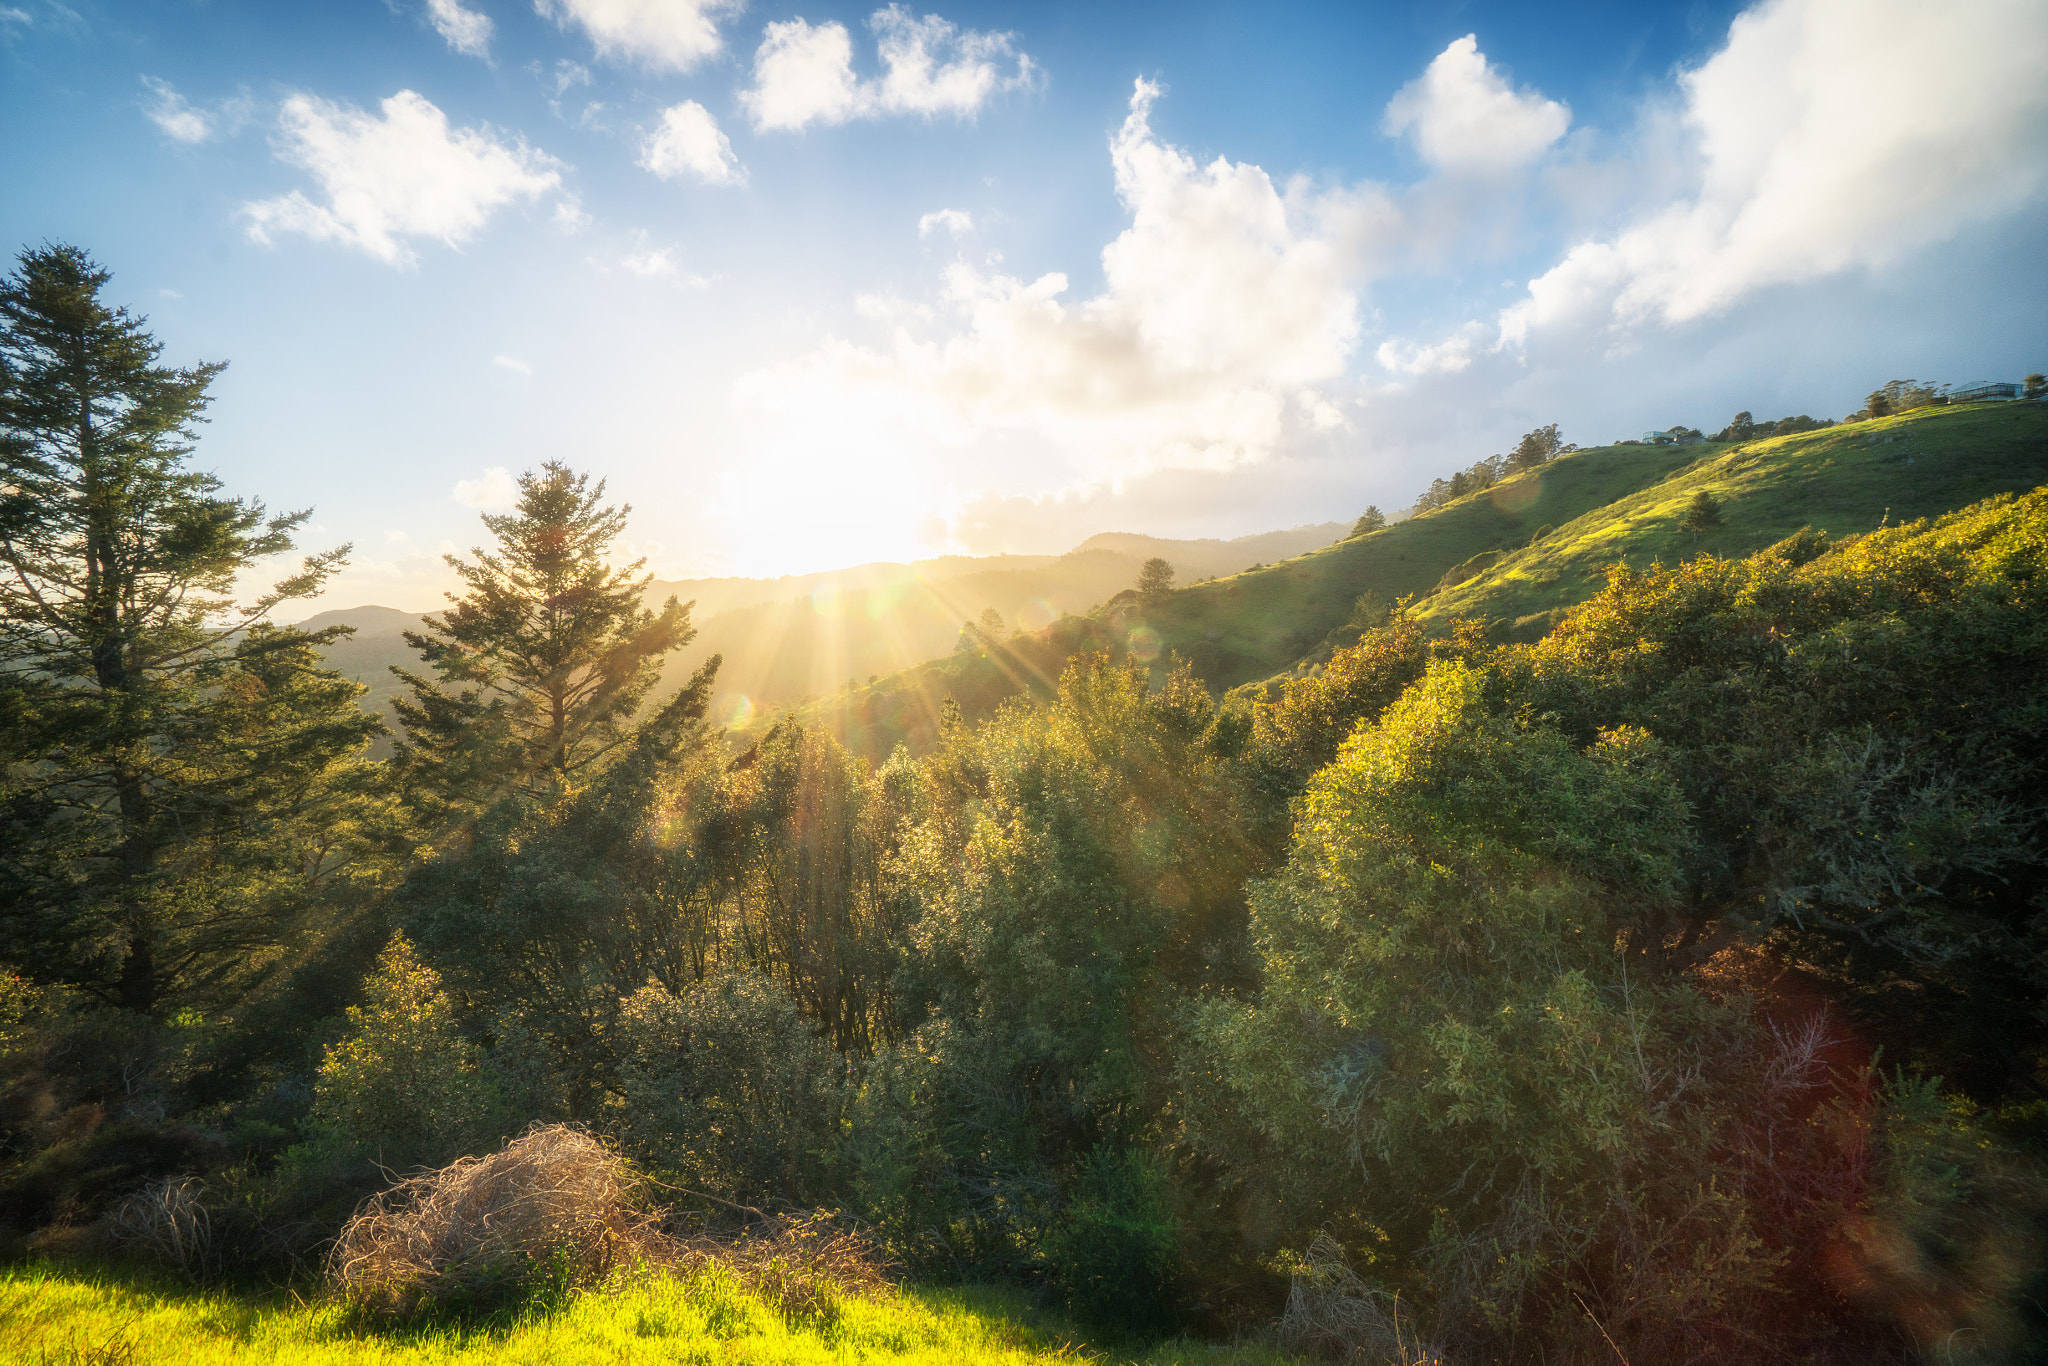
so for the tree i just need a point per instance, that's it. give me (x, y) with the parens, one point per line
(1741, 427)
(1155, 579)
(2034, 386)
(1534, 448)
(1372, 520)
(1702, 514)
(539, 667)
(130, 678)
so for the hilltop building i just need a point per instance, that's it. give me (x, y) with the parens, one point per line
(1984, 391)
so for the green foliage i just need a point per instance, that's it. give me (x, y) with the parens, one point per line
(170, 762)
(1702, 514)
(1369, 521)
(727, 1089)
(540, 666)
(402, 1086)
(1114, 1251)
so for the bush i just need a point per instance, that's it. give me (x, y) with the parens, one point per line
(727, 1089)
(1113, 1254)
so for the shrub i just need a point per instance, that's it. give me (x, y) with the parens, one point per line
(1113, 1252)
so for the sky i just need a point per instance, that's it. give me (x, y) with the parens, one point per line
(813, 284)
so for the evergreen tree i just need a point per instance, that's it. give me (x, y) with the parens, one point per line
(129, 676)
(1702, 514)
(1534, 448)
(539, 667)
(1370, 521)
(1155, 578)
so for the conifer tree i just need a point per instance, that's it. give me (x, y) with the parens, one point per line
(1702, 514)
(1371, 520)
(129, 675)
(1155, 578)
(539, 666)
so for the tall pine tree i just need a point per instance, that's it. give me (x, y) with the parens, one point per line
(149, 716)
(539, 667)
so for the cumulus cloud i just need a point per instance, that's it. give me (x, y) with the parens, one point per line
(955, 221)
(1830, 135)
(1463, 116)
(1226, 302)
(803, 74)
(466, 30)
(661, 35)
(404, 173)
(688, 142)
(493, 490)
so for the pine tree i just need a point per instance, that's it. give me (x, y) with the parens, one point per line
(129, 676)
(540, 666)
(1371, 520)
(1702, 514)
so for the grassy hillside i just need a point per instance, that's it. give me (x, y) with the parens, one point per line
(50, 1315)
(1254, 623)
(1843, 480)
(1475, 557)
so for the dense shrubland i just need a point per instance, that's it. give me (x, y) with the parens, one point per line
(1672, 986)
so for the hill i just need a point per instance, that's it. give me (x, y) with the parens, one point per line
(1512, 555)
(1843, 480)
(803, 635)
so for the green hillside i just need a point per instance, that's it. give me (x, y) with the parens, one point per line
(1474, 558)
(1843, 480)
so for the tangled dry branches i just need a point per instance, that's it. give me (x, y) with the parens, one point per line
(556, 1205)
(1332, 1312)
(168, 1222)
(553, 1203)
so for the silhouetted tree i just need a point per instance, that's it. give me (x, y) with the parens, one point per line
(1155, 580)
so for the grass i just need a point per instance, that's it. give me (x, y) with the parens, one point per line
(62, 1315)
(1844, 480)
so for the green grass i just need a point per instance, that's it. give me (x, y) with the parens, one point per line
(1843, 480)
(84, 1317)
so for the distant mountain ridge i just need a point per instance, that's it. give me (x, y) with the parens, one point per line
(802, 635)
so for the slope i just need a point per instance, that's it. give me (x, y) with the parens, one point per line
(1842, 480)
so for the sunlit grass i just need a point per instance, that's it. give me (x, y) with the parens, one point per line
(74, 1316)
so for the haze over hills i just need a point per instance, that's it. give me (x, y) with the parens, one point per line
(802, 635)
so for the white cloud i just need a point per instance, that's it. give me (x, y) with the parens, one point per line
(174, 115)
(517, 367)
(404, 174)
(466, 30)
(9, 14)
(1830, 135)
(955, 221)
(1447, 357)
(1463, 116)
(569, 217)
(1226, 303)
(804, 74)
(689, 141)
(493, 490)
(651, 263)
(661, 35)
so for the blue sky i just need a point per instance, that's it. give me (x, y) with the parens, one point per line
(816, 284)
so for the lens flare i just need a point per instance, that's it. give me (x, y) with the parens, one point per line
(1036, 614)
(1144, 643)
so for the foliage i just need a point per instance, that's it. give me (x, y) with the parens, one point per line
(1155, 579)
(1702, 514)
(171, 764)
(539, 667)
(402, 1086)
